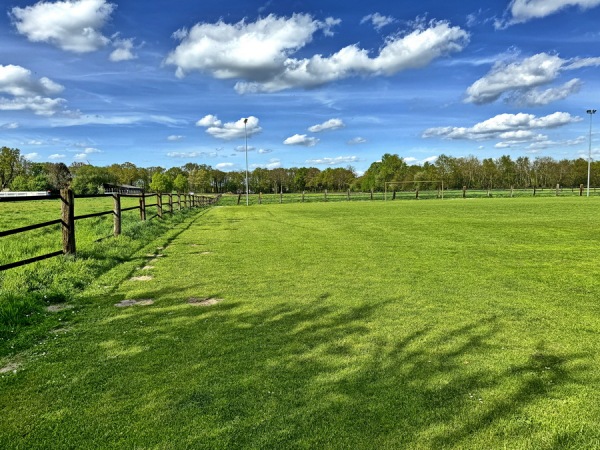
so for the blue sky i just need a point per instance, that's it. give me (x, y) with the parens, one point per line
(322, 83)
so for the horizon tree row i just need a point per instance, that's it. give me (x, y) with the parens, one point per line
(19, 174)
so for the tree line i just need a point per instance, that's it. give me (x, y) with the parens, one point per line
(19, 174)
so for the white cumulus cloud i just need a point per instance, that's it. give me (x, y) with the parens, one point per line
(10, 126)
(519, 80)
(72, 25)
(254, 50)
(57, 156)
(123, 50)
(225, 166)
(520, 11)
(504, 126)
(412, 51)
(260, 54)
(27, 92)
(302, 140)
(537, 97)
(329, 125)
(230, 130)
(31, 156)
(19, 82)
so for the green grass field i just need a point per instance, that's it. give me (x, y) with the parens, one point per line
(442, 324)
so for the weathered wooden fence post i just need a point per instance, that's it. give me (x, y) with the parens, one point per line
(68, 221)
(464, 192)
(170, 203)
(512, 191)
(581, 190)
(281, 194)
(239, 198)
(159, 209)
(303, 196)
(143, 207)
(325, 194)
(371, 194)
(179, 201)
(557, 189)
(348, 194)
(116, 214)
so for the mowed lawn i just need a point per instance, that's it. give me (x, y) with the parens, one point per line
(464, 324)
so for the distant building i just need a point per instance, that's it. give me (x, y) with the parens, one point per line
(122, 189)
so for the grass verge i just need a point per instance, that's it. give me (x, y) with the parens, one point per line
(27, 292)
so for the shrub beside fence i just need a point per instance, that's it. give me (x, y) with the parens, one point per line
(68, 217)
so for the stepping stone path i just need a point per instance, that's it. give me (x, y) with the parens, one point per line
(58, 307)
(141, 278)
(141, 302)
(204, 301)
(10, 367)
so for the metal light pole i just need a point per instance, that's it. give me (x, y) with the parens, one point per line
(591, 112)
(246, 136)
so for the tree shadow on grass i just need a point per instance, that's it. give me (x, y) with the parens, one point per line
(300, 376)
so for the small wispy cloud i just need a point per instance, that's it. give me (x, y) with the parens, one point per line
(301, 140)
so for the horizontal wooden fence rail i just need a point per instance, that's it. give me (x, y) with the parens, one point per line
(68, 217)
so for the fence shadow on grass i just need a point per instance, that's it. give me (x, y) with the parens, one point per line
(315, 375)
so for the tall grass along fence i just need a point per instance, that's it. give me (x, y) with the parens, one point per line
(413, 194)
(164, 204)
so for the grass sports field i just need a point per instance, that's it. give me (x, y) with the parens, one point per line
(462, 324)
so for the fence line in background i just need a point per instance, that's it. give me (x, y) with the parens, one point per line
(68, 218)
(415, 194)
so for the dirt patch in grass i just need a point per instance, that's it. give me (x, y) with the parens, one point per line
(60, 330)
(141, 278)
(204, 301)
(147, 267)
(58, 307)
(140, 302)
(10, 367)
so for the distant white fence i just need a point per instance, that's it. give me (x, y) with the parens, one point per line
(25, 194)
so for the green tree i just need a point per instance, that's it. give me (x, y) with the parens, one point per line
(161, 183)
(199, 179)
(58, 175)
(89, 179)
(180, 183)
(11, 165)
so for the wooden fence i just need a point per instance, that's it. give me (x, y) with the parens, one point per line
(418, 194)
(68, 217)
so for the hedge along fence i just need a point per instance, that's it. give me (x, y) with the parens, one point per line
(68, 217)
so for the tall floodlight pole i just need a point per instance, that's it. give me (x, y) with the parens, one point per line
(246, 136)
(591, 112)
